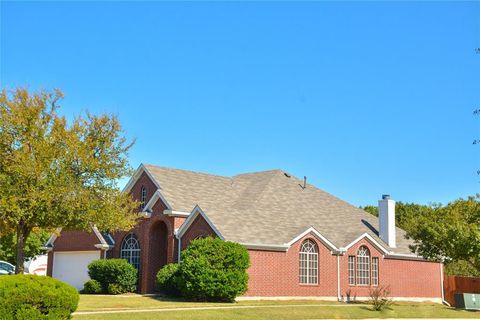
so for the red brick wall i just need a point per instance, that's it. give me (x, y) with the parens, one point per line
(277, 274)
(198, 228)
(406, 278)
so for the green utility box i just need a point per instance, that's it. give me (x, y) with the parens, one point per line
(467, 301)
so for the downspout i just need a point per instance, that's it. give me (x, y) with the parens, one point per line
(441, 285)
(179, 249)
(338, 278)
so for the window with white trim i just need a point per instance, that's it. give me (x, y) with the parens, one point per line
(351, 270)
(374, 271)
(308, 272)
(143, 197)
(130, 250)
(363, 266)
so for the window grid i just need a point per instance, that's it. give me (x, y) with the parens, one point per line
(363, 266)
(143, 197)
(131, 250)
(375, 271)
(308, 263)
(351, 270)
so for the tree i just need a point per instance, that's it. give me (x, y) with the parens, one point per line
(33, 244)
(450, 233)
(55, 173)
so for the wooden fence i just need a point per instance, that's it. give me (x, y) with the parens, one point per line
(456, 284)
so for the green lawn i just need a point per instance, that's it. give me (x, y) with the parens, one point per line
(268, 310)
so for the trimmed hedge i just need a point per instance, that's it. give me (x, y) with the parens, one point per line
(213, 270)
(25, 297)
(115, 276)
(167, 279)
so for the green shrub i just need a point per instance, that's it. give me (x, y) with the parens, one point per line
(167, 279)
(92, 287)
(25, 297)
(114, 271)
(213, 270)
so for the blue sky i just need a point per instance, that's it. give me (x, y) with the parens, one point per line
(363, 98)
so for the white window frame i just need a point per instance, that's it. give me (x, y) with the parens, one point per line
(130, 250)
(375, 263)
(363, 266)
(351, 270)
(143, 197)
(308, 263)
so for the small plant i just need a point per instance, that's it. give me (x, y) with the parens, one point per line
(92, 287)
(379, 298)
(115, 276)
(167, 279)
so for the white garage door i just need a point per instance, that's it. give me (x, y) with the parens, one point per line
(71, 266)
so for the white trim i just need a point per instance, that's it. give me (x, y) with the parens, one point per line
(52, 238)
(316, 233)
(157, 195)
(339, 296)
(98, 234)
(371, 239)
(266, 247)
(173, 213)
(102, 246)
(137, 175)
(193, 215)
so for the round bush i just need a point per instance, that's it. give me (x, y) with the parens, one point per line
(167, 279)
(213, 270)
(114, 271)
(92, 287)
(25, 297)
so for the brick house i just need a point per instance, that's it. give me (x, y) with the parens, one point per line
(302, 241)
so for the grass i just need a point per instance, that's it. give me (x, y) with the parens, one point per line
(264, 309)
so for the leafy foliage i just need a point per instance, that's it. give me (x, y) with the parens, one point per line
(213, 270)
(115, 276)
(33, 244)
(167, 279)
(450, 232)
(59, 174)
(379, 298)
(25, 297)
(92, 287)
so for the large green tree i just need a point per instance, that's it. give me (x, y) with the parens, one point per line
(450, 232)
(59, 173)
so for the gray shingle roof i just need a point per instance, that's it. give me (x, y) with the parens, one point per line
(268, 207)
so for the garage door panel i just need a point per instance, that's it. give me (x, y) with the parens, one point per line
(72, 266)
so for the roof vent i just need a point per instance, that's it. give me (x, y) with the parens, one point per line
(287, 175)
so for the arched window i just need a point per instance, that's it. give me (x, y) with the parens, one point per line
(143, 197)
(131, 250)
(363, 266)
(308, 262)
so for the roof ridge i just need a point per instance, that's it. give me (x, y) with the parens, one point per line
(185, 170)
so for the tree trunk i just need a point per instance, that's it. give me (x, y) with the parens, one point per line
(22, 234)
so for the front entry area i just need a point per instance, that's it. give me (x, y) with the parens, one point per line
(157, 256)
